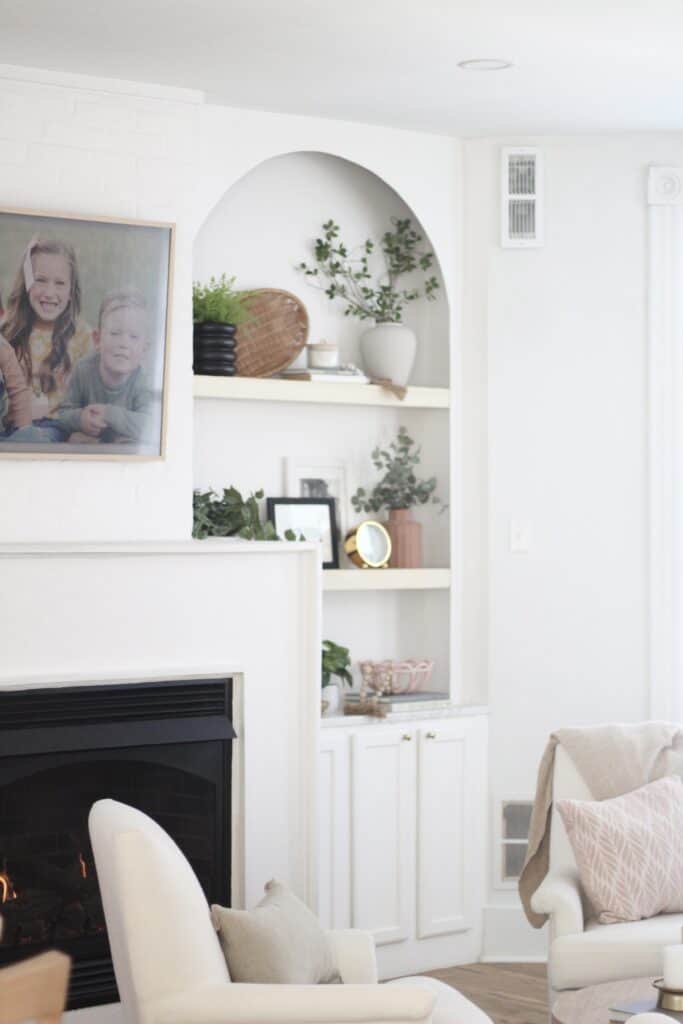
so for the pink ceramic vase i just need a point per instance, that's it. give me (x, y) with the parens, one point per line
(406, 540)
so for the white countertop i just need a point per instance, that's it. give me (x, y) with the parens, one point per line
(397, 717)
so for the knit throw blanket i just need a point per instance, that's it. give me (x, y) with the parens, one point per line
(612, 760)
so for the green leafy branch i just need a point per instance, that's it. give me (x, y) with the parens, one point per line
(399, 486)
(347, 273)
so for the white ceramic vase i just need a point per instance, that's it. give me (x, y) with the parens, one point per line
(331, 698)
(388, 352)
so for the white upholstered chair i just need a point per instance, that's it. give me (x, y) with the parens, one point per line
(582, 952)
(170, 968)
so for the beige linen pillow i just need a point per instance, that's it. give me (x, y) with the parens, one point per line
(278, 942)
(629, 850)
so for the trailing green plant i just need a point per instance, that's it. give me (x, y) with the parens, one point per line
(349, 275)
(335, 662)
(218, 301)
(399, 486)
(231, 515)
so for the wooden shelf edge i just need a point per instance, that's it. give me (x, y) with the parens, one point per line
(274, 390)
(386, 579)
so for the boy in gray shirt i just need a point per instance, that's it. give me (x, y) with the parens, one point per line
(108, 396)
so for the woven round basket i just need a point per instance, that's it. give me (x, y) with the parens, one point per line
(275, 333)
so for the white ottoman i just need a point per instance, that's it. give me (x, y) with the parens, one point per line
(451, 1007)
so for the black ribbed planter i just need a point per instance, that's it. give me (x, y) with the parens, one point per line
(214, 349)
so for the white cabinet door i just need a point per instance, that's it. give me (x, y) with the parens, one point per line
(383, 830)
(443, 817)
(334, 830)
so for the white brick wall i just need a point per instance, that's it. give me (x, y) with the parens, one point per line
(120, 154)
(90, 151)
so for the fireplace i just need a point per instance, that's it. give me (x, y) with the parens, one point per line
(164, 748)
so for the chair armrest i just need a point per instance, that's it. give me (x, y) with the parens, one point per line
(560, 897)
(233, 1003)
(354, 954)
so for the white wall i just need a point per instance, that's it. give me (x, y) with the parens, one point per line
(556, 339)
(94, 150)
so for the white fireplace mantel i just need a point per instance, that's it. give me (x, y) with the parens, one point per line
(89, 613)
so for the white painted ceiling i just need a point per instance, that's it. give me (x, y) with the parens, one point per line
(580, 66)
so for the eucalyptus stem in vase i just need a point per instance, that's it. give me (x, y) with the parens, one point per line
(347, 274)
(398, 491)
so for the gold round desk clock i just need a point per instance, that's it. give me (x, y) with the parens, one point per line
(368, 545)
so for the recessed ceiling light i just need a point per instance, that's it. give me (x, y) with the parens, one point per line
(485, 64)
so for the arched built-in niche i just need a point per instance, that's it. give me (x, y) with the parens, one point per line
(265, 224)
(259, 230)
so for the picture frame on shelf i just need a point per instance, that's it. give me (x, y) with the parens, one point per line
(320, 477)
(84, 336)
(310, 518)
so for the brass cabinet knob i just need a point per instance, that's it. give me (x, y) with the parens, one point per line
(431, 735)
(406, 736)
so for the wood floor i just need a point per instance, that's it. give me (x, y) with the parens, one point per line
(509, 993)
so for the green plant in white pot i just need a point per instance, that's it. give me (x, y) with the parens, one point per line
(389, 347)
(398, 491)
(336, 662)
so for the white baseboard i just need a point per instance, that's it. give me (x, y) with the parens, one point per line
(514, 959)
(509, 938)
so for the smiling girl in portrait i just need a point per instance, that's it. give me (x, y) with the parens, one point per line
(42, 324)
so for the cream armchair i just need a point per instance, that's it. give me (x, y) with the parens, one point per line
(582, 952)
(170, 968)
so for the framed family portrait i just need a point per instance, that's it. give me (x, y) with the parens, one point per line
(310, 518)
(84, 329)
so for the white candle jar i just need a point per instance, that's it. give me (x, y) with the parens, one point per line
(323, 356)
(672, 964)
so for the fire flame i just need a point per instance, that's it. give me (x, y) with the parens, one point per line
(84, 866)
(7, 890)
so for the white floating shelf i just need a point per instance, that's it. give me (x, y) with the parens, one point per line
(275, 390)
(386, 579)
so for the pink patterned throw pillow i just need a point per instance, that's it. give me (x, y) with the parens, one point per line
(629, 850)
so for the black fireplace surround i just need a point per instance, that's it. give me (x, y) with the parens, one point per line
(164, 748)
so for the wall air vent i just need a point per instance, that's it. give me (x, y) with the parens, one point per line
(521, 210)
(511, 839)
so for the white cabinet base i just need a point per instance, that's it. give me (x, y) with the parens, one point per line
(417, 955)
(403, 838)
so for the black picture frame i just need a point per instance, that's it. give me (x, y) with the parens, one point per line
(284, 522)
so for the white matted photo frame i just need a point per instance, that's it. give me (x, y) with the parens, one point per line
(84, 335)
(320, 477)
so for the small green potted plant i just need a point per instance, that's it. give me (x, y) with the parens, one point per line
(389, 347)
(336, 662)
(217, 311)
(398, 492)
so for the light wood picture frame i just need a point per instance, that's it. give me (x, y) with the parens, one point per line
(320, 477)
(85, 322)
